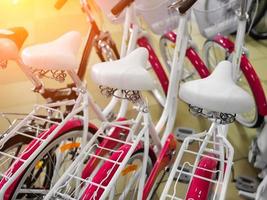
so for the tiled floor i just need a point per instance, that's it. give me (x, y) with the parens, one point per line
(44, 24)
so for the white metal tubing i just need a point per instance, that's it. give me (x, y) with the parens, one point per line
(38, 150)
(96, 108)
(175, 76)
(154, 134)
(126, 27)
(174, 167)
(239, 43)
(181, 31)
(15, 129)
(133, 38)
(145, 159)
(36, 82)
(227, 169)
(112, 103)
(71, 170)
(125, 160)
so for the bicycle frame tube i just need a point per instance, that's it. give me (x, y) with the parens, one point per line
(155, 63)
(239, 43)
(175, 76)
(192, 56)
(35, 147)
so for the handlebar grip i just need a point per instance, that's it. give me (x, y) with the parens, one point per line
(186, 5)
(60, 3)
(119, 7)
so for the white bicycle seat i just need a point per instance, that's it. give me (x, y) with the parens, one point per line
(59, 54)
(128, 73)
(218, 92)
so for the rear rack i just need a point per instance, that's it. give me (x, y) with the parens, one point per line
(75, 185)
(39, 128)
(207, 166)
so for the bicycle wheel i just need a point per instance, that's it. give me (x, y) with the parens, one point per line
(14, 146)
(258, 6)
(126, 186)
(259, 31)
(49, 165)
(167, 49)
(213, 54)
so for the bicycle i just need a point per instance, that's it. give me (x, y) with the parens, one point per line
(220, 48)
(71, 131)
(61, 140)
(101, 41)
(208, 155)
(101, 183)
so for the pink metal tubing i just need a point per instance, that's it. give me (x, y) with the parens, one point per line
(107, 144)
(73, 124)
(164, 159)
(255, 85)
(250, 74)
(105, 174)
(192, 56)
(196, 61)
(155, 63)
(199, 188)
(224, 42)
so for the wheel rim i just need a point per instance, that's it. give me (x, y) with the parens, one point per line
(131, 172)
(48, 157)
(167, 49)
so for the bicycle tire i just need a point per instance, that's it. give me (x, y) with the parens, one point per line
(260, 12)
(259, 31)
(256, 119)
(49, 173)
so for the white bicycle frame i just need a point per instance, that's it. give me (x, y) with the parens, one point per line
(168, 115)
(80, 104)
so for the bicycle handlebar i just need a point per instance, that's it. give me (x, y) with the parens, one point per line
(60, 3)
(119, 7)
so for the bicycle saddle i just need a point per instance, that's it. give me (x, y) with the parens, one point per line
(218, 92)
(128, 73)
(11, 41)
(59, 54)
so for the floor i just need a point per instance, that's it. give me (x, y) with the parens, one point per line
(45, 23)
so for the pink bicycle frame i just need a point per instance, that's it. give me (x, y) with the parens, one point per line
(155, 63)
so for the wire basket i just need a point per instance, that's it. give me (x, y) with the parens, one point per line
(156, 14)
(217, 16)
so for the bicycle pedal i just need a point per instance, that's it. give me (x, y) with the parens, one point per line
(247, 184)
(183, 132)
(184, 178)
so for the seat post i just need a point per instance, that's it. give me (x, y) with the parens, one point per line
(79, 84)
